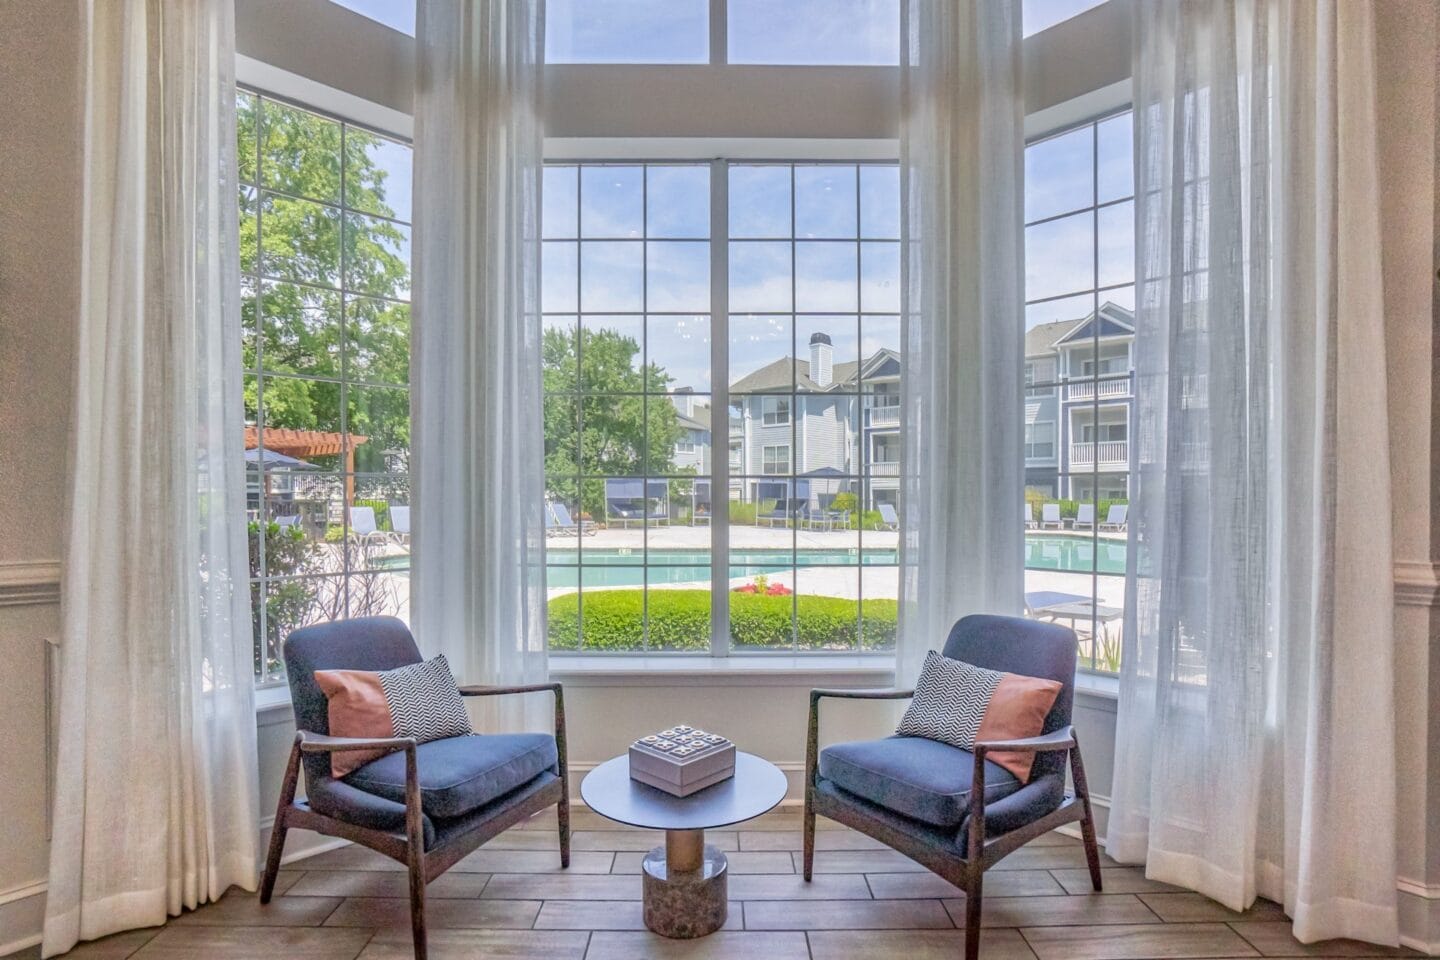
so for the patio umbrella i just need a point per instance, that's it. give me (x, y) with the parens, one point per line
(270, 458)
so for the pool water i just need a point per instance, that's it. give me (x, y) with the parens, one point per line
(626, 568)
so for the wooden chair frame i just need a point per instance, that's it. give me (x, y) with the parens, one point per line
(981, 853)
(423, 865)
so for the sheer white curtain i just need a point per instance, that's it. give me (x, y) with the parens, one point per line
(961, 156)
(155, 793)
(478, 591)
(1255, 748)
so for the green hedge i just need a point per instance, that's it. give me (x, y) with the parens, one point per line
(680, 620)
(1068, 508)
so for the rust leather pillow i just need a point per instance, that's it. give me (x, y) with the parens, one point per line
(420, 700)
(962, 704)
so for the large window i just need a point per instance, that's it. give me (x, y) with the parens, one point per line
(788, 543)
(325, 264)
(1079, 407)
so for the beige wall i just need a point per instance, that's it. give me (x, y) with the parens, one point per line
(39, 185)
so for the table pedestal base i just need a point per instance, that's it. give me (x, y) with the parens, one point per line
(685, 887)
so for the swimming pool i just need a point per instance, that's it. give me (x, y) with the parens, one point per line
(620, 567)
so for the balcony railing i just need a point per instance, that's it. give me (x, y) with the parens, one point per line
(886, 416)
(1105, 389)
(885, 468)
(1114, 454)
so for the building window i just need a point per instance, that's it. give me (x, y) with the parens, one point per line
(631, 310)
(325, 277)
(1080, 298)
(775, 411)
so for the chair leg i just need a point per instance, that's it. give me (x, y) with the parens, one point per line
(417, 901)
(974, 895)
(280, 827)
(1087, 823)
(808, 823)
(562, 814)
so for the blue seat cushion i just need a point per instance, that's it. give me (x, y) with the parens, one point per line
(459, 774)
(925, 780)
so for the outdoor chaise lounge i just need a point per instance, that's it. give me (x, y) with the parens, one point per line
(558, 521)
(1050, 517)
(1029, 516)
(636, 501)
(363, 527)
(400, 523)
(785, 510)
(1115, 518)
(1084, 517)
(888, 518)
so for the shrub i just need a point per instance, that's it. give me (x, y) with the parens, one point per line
(382, 512)
(680, 620)
(742, 512)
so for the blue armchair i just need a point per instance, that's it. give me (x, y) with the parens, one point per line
(951, 810)
(426, 805)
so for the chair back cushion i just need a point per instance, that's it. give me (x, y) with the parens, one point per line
(1027, 647)
(365, 643)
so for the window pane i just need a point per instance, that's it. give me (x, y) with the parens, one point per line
(301, 330)
(1038, 15)
(559, 217)
(377, 341)
(1117, 244)
(247, 114)
(762, 604)
(613, 438)
(825, 204)
(678, 276)
(879, 277)
(382, 416)
(1059, 174)
(880, 202)
(677, 202)
(377, 257)
(627, 31)
(612, 202)
(560, 273)
(1059, 256)
(679, 354)
(825, 276)
(300, 152)
(760, 277)
(1115, 146)
(300, 240)
(759, 201)
(612, 275)
(758, 348)
(612, 354)
(677, 609)
(856, 32)
(377, 174)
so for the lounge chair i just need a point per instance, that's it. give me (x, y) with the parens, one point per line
(288, 520)
(1029, 516)
(400, 523)
(1050, 517)
(1115, 518)
(888, 518)
(1084, 517)
(779, 513)
(363, 528)
(558, 521)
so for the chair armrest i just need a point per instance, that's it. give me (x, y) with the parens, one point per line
(815, 695)
(320, 743)
(1062, 739)
(812, 738)
(555, 688)
(488, 691)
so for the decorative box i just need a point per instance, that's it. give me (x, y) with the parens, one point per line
(682, 760)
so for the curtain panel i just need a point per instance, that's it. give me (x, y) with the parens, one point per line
(1255, 746)
(478, 584)
(961, 166)
(156, 806)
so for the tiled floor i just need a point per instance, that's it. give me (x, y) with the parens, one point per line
(510, 899)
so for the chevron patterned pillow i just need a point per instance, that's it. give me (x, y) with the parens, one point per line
(961, 704)
(420, 700)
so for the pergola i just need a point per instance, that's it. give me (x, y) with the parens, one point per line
(310, 443)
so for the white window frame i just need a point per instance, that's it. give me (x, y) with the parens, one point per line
(775, 411)
(768, 463)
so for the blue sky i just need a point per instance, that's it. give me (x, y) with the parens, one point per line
(396, 14)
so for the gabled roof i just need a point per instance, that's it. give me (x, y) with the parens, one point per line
(1046, 338)
(775, 377)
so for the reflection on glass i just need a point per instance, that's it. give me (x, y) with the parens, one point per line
(759, 201)
(612, 276)
(825, 205)
(880, 277)
(677, 276)
(825, 276)
(760, 278)
(612, 202)
(759, 345)
(679, 353)
(880, 202)
(677, 202)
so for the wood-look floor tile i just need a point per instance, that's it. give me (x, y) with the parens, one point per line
(240, 909)
(1134, 941)
(1054, 839)
(1198, 908)
(1055, 911)
(581, 818)
(724, 945)
(609, 915)
(614, 840)
(833, 886)
(285, 879)
(774, 861)
(114, 947)
(352, 857)
(1274, 939)
(794, 840)
(518, 839)
(553, 886)
(915, 945)
(1053, 857)
(376, 912)
(489, 860)
(1113, 879)
(1002, 883)
(395, 944)
(376, 883)
(861, 861)
(253, 943)
(846, 915)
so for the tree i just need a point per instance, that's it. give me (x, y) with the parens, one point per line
(618, 439)
(297, 327)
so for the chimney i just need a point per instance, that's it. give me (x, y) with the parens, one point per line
(821, 359)
(684, 400)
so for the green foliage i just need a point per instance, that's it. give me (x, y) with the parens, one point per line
(297, 329)
(742, 512)
(845, 501)
(382, 512)
(1069, 509)
(619, 439)
(680, 620)
(287, 552)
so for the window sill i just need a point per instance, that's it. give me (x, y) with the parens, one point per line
(272, 700)
(1097, 685)
(671, 671)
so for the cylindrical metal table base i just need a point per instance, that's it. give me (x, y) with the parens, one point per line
(685, 888)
